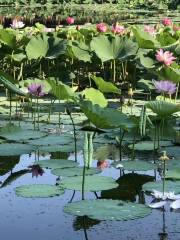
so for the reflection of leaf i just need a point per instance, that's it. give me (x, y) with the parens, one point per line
(13, 177)
(129, 186)
(7, 163)
(84, 223)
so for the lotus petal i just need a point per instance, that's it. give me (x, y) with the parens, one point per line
(157, 204)
(175, 204)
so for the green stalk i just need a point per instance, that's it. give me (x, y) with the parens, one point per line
(83, 182)
(10, 110)
(164, 173)
(114, 70)
(38, 113)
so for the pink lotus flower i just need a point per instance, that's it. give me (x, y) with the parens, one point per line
(165, 86)
(36, 170)
(118, 29)
(150, 29)
(70, 20)
(167, 22)
(102, 164)
(36, 89)
(17, 24)
(78, 27)
(165, 57)
(101, 27)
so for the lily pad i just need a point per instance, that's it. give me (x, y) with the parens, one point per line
(75, 171)
(95, 183)
(18, 134)
(149, 145)
(104, 209)
(57, 163)
(15, 149)
(53, 140)
(38, 191)
(173, 174)
(170, 186)
(58, 148)
(135, 165)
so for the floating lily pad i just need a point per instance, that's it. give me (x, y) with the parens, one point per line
(104, 209)
(38, 191)
(95, 183)
(53, 140)
(173, 173)
(57, 163)
(149, 145)
(58, 148)
(75, 171)
(170, 186)
(20, 135)
(15, 149)
(135, 165)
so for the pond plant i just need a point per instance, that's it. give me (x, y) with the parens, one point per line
(102, 98)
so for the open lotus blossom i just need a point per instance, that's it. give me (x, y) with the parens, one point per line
(165, 57)
(36, 89)
(157, 204)
(101, 27)
(36, 170)
(118, 29)
(150, 30)
(70, 20)
(166, 195)
(102, 164)
(167, 22)
(17, 24)
(165, 87)
(175, 205)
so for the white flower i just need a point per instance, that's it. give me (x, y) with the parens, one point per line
(17, 24)
(175, 204)
(157, 204)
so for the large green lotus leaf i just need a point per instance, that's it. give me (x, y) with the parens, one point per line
(61, 90)
(8, 38)
(57, 47)
(38, 191)
(144, 39)
(92, 183)
(18, 134)
(169, 73)
(7, 82)
(170, 186)
(95, 96)
(103, 209)
(81, 51)
(107, 48)
(52, 140)
(163, 108)
(105, 117)
(135, 165)
(57, 163)
(75, 171)
(15, 149)
(104, 86)
(149, 145)
(173, 173)
(37, 47)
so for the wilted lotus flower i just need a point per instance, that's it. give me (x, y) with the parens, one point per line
(165, 86)
(17, 24)
(167, 22)
(36, 170)
(165, 57)
(70, 20)
(118, 29)
(36, 89)
(102, 164)
(150, 30)
(101, 27)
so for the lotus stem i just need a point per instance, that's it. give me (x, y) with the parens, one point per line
(10, 110)
(83, 182)
(164, 173)
(177, 90)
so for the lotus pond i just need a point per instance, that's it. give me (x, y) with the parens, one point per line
(90, 131)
